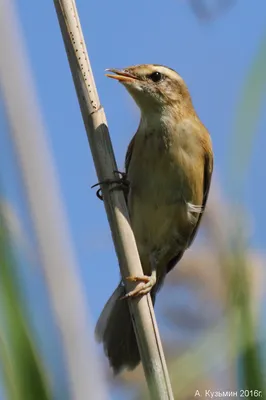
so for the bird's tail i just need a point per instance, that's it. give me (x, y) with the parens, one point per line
(115, 329)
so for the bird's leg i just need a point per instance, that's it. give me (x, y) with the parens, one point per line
(146, 282)
(121, 182)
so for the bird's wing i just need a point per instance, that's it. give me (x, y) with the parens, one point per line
(208, 168)
(129, 153)
(127, 160)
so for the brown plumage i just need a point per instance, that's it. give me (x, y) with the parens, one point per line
(169, 164)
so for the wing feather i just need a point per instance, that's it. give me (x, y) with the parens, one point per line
(208, 168)
(129, 153)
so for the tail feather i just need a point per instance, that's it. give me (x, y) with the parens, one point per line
(106, 312)
(115, 329)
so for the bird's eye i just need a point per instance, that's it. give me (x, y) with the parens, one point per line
(155, 76)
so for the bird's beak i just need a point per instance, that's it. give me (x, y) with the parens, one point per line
(121, 75)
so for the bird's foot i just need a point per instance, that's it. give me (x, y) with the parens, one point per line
(145, 286)
(121, 183)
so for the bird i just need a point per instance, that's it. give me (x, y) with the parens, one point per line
(168, 167)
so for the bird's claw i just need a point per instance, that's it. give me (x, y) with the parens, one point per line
(145, 286)
(122, 183)
(123, 174)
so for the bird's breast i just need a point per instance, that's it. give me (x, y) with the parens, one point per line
(168, 166)
(165, 174)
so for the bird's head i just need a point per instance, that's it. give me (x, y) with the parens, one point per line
(153, 87)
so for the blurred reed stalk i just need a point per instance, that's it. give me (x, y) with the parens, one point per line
(47, 212)
(24, 374)
(144, 322)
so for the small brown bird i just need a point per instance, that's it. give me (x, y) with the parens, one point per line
(169, 165)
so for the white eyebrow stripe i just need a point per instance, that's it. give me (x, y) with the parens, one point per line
(166, 71)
